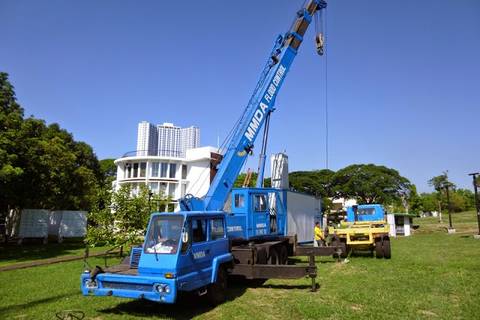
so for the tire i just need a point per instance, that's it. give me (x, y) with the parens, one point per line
(273, 256)
(345, 250)
(378, 248)
(283, 254)
(342, 245)
(262, 257)
(387, 252)
(216, 293)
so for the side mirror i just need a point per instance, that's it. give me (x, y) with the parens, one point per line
(185, 241)
(184, 236)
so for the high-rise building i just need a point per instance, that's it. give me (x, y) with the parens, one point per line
(166, 140)
(147, 139)
(189, 139)
(174, 141)
(169, 140)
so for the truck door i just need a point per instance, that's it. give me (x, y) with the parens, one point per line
(261, 214)
(201, 251)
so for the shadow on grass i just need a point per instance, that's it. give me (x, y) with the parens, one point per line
(306, 287)
(33, 251)
(188, 305)
(17, 308)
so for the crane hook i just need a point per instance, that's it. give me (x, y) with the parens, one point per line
(319, 43)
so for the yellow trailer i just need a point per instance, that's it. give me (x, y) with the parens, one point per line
(365, 228)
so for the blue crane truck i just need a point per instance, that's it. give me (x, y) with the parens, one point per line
(196, 249)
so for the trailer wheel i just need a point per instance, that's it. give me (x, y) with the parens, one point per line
(283, 255)
(273, 256)
(387, 252)
(378, 248)
(216, 293)
(342, 245)
(262, 257)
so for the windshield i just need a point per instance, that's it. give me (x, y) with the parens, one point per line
(366, 211)
(164, 235)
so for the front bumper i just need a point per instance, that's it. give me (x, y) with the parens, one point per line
(127, 286)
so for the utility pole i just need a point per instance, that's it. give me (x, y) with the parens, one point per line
(477, 204)
(447, 189)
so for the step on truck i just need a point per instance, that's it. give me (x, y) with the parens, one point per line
(364, 228)
(196, 249)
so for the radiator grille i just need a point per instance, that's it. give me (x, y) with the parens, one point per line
(127, 286)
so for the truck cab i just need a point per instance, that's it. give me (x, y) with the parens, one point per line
(256, 212)
(182, 251)
(365, 213)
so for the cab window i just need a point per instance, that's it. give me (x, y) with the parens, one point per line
(199, 230)
(260, 202)
(217, 231)
(239, 201)
(366, 211)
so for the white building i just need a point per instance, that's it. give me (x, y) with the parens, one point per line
(171, 175)
(147, 139)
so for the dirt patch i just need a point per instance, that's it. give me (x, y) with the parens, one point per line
(356, 307)
(427, 313)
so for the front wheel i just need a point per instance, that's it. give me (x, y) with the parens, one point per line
(378, 248)
(387, 252)
(217, 291)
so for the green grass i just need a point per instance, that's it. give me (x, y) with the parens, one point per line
(33, 252)
(431, 275)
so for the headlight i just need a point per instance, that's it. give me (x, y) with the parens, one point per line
(91, 284)
(161, 288)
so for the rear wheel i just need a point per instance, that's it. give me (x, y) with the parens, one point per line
(283, 254)
(344, 248)
(216, 293)
(273, 257)
(262, 257)
(387, 252)
(378, 248)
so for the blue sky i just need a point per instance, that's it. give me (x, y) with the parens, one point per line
(403, 76)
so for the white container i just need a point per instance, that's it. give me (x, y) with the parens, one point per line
(34, 224)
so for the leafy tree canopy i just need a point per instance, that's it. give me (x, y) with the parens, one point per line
(369, 183)
(317, 182)
(108, 170)
(440, 182)
(123, 219)
(41, 166)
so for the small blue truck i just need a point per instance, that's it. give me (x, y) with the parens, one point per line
(196, 249)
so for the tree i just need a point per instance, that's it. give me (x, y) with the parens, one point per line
(41, 166)
(108, 170)
(11, 117)
(440, 182)
(429, 202)
(369, 183)
(253, 181)
(316, 182)
(123, 220)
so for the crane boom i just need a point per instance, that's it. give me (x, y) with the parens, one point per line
(260, 106)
